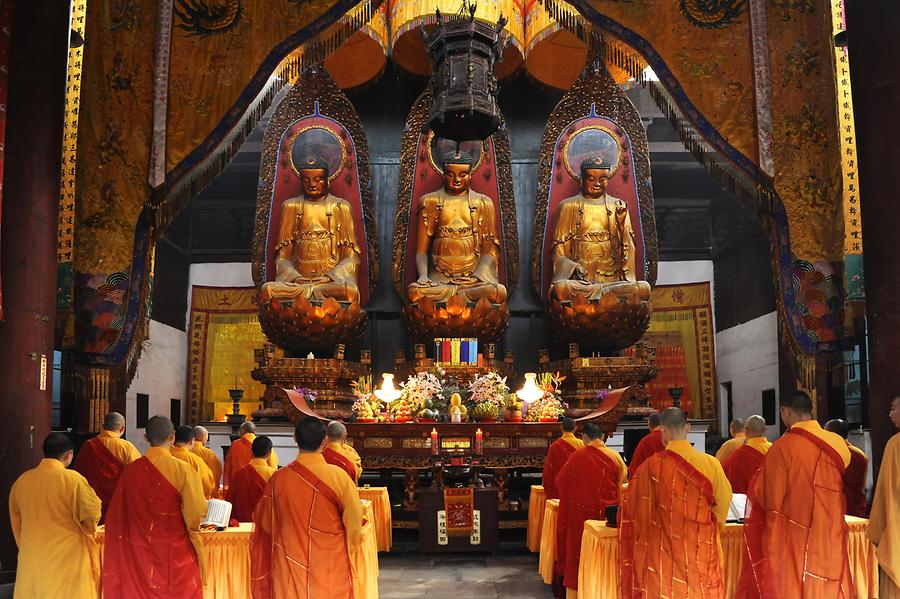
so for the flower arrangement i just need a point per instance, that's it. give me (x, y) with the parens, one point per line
(550, 407)
(367, 407)
(489, 393)
(417, 396)
(308, 394)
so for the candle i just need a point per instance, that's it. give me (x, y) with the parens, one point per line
(434, 441)
(479, 441)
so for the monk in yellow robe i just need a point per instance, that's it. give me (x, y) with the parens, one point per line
(201, 436)
(338, 453)
(181, 449)
(795, 533)
(673, 512)
(736, 428)
(248, 484)
(54, 515)
(557, 455)
(649, 445)
(742, 464)
(240, 453)
(152, 546)
(884, 521)
(307, 525)
(101, 459)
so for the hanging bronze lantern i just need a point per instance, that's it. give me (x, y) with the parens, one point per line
(463, 51)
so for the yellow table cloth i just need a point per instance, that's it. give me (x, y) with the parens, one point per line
(536, 506)
(548, 540)
(598, 571)
(381, 505)
(228, 561)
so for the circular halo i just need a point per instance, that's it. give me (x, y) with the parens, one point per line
(441, 146)
(322, 142)
(589, 141)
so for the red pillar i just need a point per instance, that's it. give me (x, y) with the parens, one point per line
(37, 79)
(875, 77)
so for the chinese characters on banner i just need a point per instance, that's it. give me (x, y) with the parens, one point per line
(853, 242)
(66, 216)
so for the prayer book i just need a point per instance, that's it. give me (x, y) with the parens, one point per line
(737, 508)
(218, 514)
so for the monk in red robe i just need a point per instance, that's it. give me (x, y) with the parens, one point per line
(338, 453)
(650, 445)
(306, 525)
(856, 474)
(101, 459)
(670, 521)
(153, 547)
(248, 484)
(743, 463)
(240, 453)
(559, 453)
(795, 533)
(590, 481)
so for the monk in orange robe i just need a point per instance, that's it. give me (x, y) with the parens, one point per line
(884, 521)
(590, 481)
(650, 445)
(181, 449)
(671, 517)
(559, 453)
(248, 484)
(338, 453)
(201, 436)
(101, 459)
(153, 547)
(743, 463)
(736, 428)
(240, 453)
(795, 533)
(306, 525)
(856, 474)
(54, 513)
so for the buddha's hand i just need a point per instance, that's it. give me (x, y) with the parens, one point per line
(579, 273)
(621, 211)
(425, 281)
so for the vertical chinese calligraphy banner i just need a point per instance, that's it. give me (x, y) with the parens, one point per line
(687, 309)
(853, 241)
(6, 9)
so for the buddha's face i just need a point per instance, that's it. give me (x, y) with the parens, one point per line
(314, 183)
(594, 182)
(457, 178)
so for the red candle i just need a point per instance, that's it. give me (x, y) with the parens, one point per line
(479, 440)
(434, 441)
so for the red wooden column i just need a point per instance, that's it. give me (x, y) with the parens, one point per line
(875, 77)
(37, 80)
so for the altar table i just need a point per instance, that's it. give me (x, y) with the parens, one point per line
(598, 570)
(548, 540)
(536, 506)
(381, 506)
(228, 561)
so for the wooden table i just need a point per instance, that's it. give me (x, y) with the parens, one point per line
(598, 571)
(228, 561)
(381, 507)
(548, 540)
(536, 506)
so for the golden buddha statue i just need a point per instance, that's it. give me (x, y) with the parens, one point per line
(316, 255)
(593, 242)
(457, 241)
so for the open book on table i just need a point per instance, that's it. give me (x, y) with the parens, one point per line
(218, 514)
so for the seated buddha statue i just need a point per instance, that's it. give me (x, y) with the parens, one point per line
(593, 243)
(458, 240)
(316, 255)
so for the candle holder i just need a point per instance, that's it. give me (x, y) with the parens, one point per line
(675, 393)
(236, 419)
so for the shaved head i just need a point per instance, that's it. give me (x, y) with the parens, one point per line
(838, 427)
(113, 422)
(592, 431)
(184, 436)
(653, 420)
(248, 427)
(336, 431)
(673, 418)
(755, 426)
(736, 426)
(160, 431)
(201, 434)
(568, 425)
